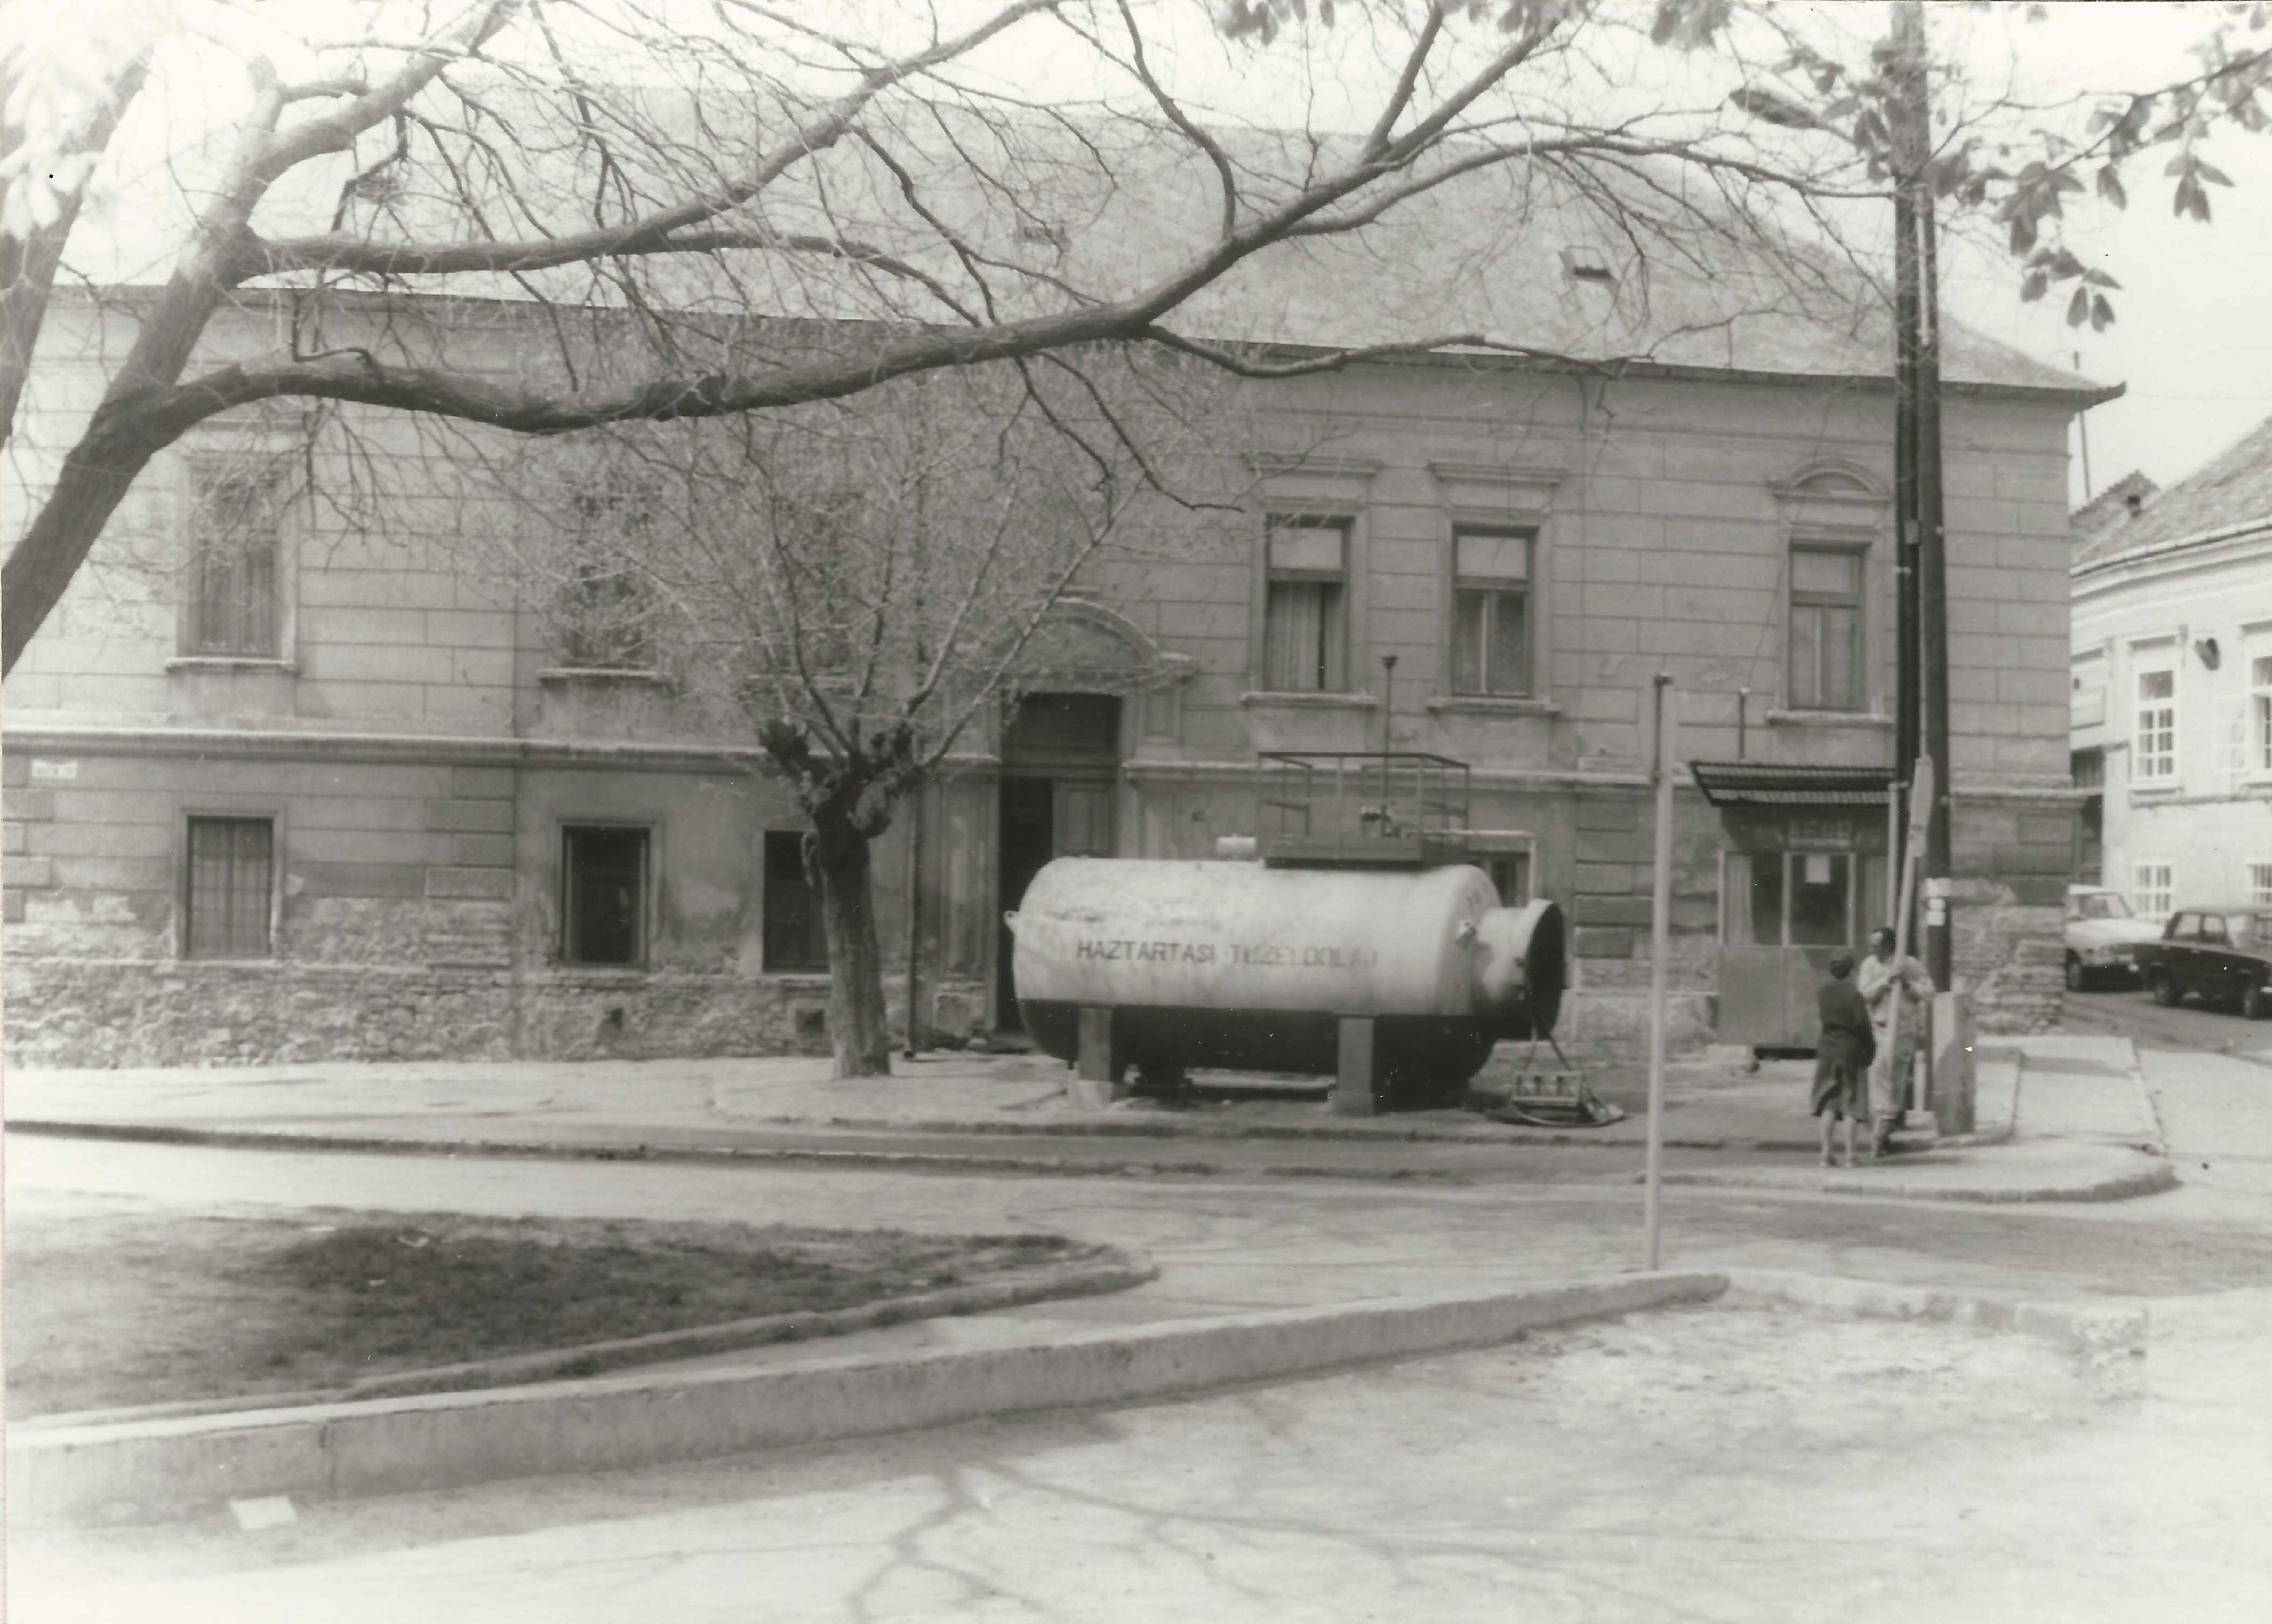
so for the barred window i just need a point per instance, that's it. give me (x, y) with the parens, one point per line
(232, 865)
(603, 912)
(234, 534)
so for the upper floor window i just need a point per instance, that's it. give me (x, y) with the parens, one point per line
(2259, 717)
(1305, 606)
(2154, 744)
(234, 531)
(606, 621)
(1826, 628)
(1491, 612)
(227, 901)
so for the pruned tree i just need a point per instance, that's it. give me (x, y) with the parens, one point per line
(861, 587)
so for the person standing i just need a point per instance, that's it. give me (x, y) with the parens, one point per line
(1889, 1074)
(1842, 1055)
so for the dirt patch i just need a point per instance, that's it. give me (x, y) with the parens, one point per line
(107, 1310)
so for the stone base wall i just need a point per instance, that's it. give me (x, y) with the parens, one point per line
(115, 1012)
(2010, 957)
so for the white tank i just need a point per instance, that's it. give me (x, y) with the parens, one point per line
(1236, 964)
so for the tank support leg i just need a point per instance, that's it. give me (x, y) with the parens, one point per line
(1097, 1070)
(1356, 1084)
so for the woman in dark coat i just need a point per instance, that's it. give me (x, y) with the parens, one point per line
(1841, 1059)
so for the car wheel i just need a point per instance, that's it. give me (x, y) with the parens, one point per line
(2077, 978)
(2164, 990)
(2256, 1004)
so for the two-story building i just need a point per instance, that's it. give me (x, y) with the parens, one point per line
(2171, 687)
(319, 792)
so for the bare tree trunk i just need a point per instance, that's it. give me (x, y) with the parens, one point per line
(858, 1030)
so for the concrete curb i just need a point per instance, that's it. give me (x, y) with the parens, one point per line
(694, 1342)
(2117, 1328)
(1861, 1182)
(140, 1471)
(573, 1150)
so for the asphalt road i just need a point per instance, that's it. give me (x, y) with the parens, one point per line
(2210, 1075)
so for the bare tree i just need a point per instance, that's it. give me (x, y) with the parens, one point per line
(859, 586)
(640, 158)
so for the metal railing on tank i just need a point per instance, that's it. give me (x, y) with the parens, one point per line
(1362, 809)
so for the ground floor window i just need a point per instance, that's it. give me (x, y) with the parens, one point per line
(1801, 899)
(795, 938)
(1510, 872)
(2260, 884)
(2152, 890)
(604, 906)
(231, 879)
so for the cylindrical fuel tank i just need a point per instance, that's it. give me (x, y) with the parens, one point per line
(1237, 965)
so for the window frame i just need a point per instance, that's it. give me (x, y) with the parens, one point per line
(1491, 588)
(1796, 600)
(205, 468)
(2259, 655)
(1342, 642)
(814, 924)
(2259, 884)
(2138, 892)
(185, 866)
(2173, 667)
(644, 910)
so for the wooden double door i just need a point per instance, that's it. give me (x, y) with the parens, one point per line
(1044, 818)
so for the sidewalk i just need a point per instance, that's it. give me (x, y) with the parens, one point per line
(2059, 1117)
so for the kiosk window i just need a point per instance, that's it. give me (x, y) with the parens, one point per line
(1791, 899)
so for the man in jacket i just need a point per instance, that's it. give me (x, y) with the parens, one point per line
(1889, 1076)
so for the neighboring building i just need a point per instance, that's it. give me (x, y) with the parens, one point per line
(2172, 690)
(316, 793)
(2119, 503)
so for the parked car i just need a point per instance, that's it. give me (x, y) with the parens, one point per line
(2222, 955)
(2101, 936)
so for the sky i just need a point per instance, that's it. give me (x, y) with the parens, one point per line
(2191, 341)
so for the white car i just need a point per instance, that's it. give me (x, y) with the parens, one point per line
(2101, 936)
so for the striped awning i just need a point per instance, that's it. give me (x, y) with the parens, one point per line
(1770, 783)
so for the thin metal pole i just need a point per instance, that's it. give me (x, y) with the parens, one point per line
(2082, 429)
(915, 920)
(1660, 938)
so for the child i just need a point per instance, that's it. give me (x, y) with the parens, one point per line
(1842, 1058)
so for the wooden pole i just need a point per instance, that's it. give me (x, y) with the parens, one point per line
(1660, 938)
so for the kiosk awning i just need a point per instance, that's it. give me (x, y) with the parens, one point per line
(1769, 783)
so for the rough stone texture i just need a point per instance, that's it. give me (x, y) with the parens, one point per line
(2010, 956)
(108, 1013)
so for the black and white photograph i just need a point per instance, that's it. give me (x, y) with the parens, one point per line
(1102, 812)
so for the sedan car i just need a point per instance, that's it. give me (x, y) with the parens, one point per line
(2222, 955)
(2101, 936)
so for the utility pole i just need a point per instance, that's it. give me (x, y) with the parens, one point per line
(1660, 937)
(1923, 653)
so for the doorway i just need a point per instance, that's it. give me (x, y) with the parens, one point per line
(1060, 778)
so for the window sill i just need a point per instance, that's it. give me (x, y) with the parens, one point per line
(815, 973)
(1828, 719)
(2156, 790)
(601, 974)
(561, 676)
(1492, 705)
(1304, 699)
(270, 664)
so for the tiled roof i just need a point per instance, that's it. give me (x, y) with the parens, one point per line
(2233, 492)
(2111, 506)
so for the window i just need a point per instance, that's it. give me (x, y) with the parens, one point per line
(795, 939)
(2152, 890)
(234, 531)
(2260, 884)
(1826, 628)
(1511, 873)
(2212, 930)
(1305, 607)
(2260, 705)
(2154, 747)
(603, 908)
(607, 622)
(1796, 899)
(232, 865)
(1491, 612)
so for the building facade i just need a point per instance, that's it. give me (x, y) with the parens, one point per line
(2172, 688)
(319, 793)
